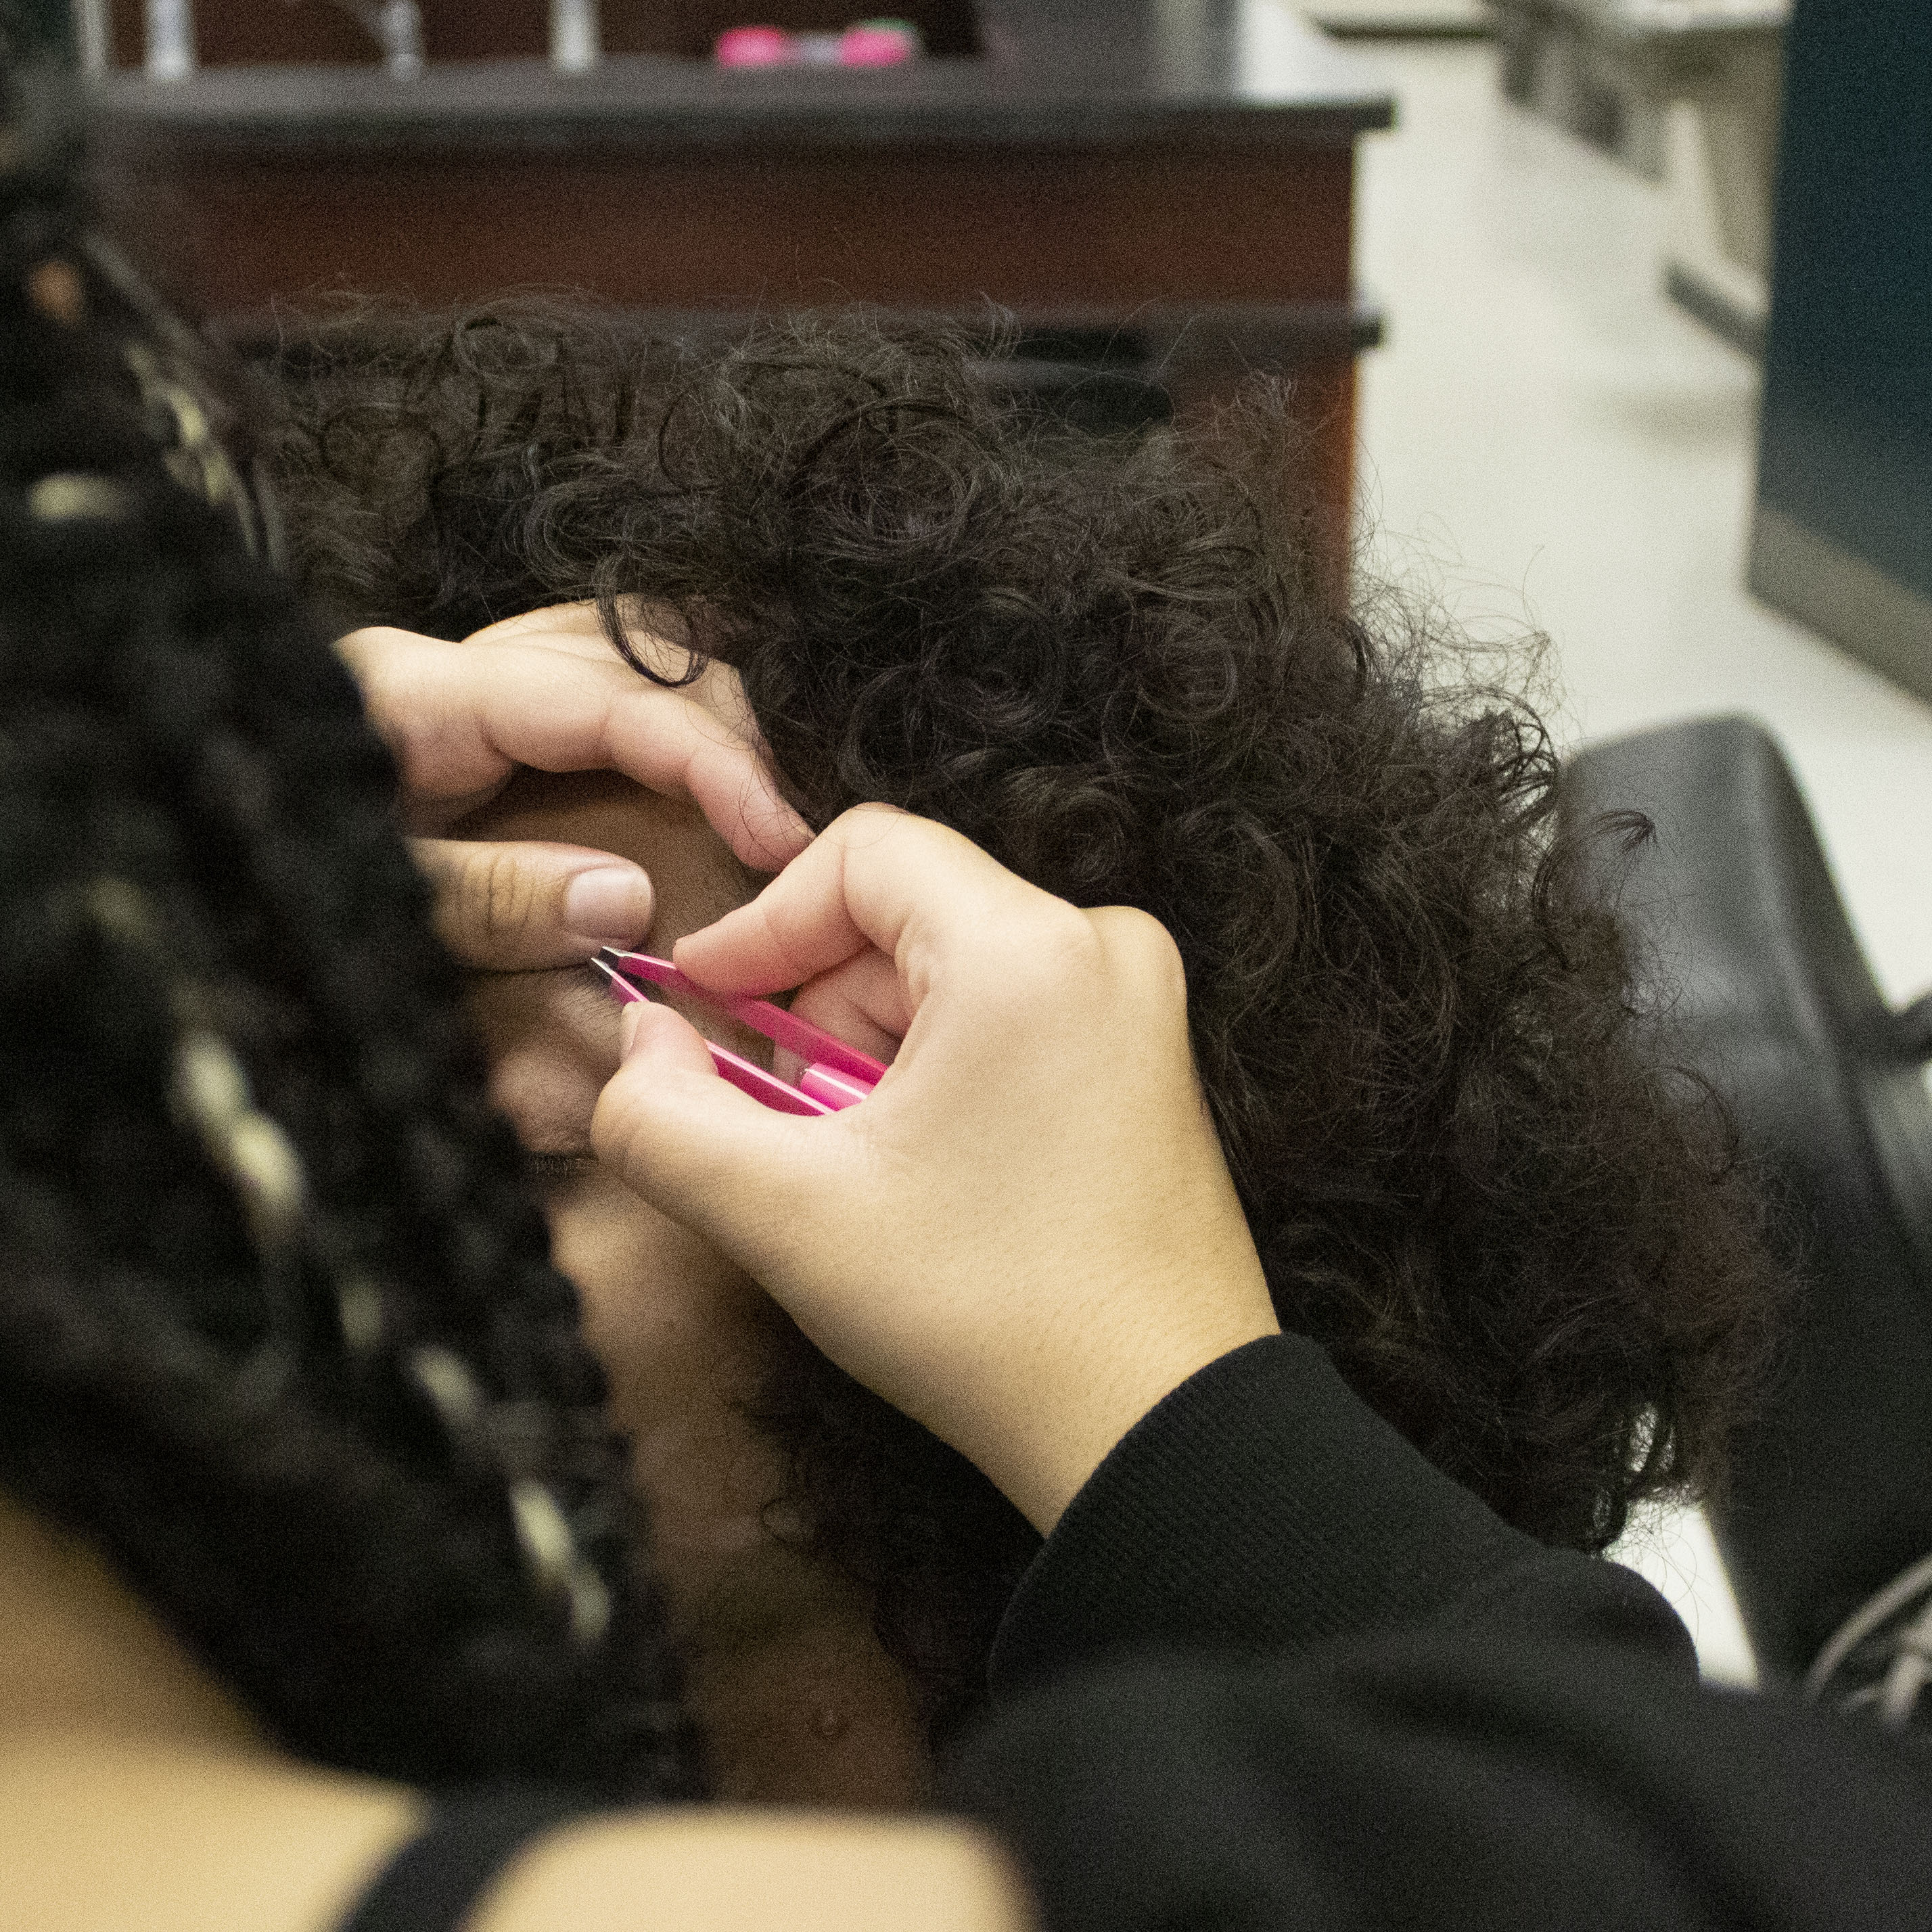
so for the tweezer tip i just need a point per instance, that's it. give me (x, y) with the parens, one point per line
(620, 982)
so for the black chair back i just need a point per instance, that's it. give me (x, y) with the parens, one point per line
(1761, 988)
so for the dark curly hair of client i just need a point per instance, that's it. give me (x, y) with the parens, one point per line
(1113, 663)
(279, 1334)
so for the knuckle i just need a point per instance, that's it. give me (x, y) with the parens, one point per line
(1070, 938)
(1054, 955)
(1151, 943)
(1144, 952)
(866, 825)
(498, 894)
(873, 812)
(373, 650)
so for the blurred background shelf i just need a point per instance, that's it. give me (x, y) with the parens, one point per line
(1186, 171)
(1686, 91)
(1402, 19)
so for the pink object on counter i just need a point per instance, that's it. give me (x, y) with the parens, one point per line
(838, 1075)
(864, 45)
(753, 46)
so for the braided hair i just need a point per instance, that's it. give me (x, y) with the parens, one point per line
(279, 1331)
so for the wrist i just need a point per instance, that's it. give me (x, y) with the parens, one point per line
(1072, 1430)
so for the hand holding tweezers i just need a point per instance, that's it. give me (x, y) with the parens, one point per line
(835, 1076)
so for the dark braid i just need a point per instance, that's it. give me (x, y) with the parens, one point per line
(279, 1332)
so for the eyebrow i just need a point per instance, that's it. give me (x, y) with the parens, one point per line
(559, 1163)
(583, 988)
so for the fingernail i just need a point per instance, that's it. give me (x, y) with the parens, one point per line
(628, 1024)
(611, 905)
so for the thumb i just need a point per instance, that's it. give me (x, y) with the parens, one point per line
(512, 908)
(695, 1147)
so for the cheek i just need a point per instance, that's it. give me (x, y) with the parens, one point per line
(684, 1337)
(648, 1285)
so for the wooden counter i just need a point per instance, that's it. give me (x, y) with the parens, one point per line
(1120, 165)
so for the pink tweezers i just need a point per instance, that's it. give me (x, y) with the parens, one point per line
(836, 1076)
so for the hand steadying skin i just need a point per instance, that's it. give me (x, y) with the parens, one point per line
(544, 691)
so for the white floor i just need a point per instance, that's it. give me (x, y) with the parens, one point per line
(1547, 444)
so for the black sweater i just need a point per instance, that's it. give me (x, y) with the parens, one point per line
(1273, 1669)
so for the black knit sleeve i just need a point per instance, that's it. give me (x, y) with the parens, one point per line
(1263, 1507)
(1450, 1781)
(1273, 1669)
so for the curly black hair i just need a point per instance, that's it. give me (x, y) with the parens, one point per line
(1113, 663)
(279, 1332)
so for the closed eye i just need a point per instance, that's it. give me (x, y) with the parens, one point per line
(552, 1170)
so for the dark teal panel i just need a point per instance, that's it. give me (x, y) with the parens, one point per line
(1847, 439)
(44, 25)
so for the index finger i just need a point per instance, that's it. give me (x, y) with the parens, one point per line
(876, 877)
(461, 717)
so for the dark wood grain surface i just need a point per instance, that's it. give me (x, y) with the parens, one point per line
(1132, 164)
